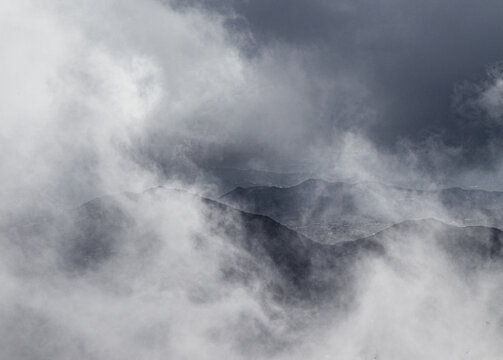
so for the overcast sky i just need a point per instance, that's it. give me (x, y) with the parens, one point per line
(410, 56)
(393, 71)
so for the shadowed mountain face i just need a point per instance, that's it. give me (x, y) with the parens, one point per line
(331, 212)
(228, 179)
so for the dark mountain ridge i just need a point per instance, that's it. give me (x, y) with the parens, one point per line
(331, 212)
(297, 268)
(89, 236)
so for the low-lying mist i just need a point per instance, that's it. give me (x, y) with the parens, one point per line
(166, 274)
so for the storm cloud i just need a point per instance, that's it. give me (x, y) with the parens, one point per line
(391, 69)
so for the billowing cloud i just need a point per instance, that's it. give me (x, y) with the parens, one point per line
(392, 66)
(115, 97)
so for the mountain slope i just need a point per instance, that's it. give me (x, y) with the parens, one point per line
(469, 247)
(230, 178)
(96, 233)
(252, 247)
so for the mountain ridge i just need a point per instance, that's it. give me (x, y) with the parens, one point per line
(335, 211)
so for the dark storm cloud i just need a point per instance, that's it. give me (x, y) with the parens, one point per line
(410, 55)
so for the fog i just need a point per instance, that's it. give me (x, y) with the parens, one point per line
(113, 112)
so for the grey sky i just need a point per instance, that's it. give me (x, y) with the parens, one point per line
(409, 56)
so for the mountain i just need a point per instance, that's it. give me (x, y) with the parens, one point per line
(469, 248)
(293, 267)
(330, 212)
(297, 268)
(230, 178)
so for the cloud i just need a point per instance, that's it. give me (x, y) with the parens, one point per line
(103, 97)
(491, 100)
(402, 62)
(88, 84)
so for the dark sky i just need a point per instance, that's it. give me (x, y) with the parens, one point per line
(412, 57)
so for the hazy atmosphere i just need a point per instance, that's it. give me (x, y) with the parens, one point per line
(251, 179)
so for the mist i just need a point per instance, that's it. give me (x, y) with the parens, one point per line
(207, 180)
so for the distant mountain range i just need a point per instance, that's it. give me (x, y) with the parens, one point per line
(228, 179)
(297, 268)
(331, 212)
